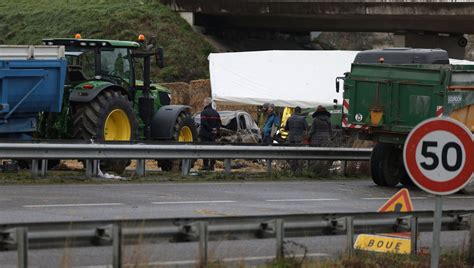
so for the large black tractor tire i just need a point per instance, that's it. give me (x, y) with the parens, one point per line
(386, 165)
(108, 117)
(184, 131)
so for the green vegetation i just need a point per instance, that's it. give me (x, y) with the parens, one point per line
(29, 21)
(375, 260)
(78, 177)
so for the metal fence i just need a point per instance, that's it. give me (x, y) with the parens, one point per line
(93, 152)
(46, 235)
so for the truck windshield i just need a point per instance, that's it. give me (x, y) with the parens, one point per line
(115, 62)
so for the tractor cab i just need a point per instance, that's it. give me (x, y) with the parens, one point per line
(95, 59)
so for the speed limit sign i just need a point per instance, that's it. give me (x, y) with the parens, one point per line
(439, 155)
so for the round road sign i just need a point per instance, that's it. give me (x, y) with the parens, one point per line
(439, 155)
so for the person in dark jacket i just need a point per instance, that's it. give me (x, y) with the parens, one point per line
(320, 135)
(297, 127)
(321, 129)
(209, 129)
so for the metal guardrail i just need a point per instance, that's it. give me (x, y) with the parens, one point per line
(141, 152)
(47, 235)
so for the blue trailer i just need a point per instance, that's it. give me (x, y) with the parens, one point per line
(31, 81)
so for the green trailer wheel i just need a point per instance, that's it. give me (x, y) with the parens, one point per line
(386, 165)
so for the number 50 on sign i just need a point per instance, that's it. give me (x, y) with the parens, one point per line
(439, 155)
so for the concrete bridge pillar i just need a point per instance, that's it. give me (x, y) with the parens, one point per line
(454, 44)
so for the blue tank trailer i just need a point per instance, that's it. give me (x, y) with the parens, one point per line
(31, 81)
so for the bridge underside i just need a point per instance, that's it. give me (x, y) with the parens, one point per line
(315, 15)
(344, 23)
(421, 22)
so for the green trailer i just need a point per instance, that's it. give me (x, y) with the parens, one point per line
(383, 102)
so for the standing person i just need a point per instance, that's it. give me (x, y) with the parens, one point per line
(209, 129)
(321, 129)
(297, 127)
(271, 121)
(320, 135)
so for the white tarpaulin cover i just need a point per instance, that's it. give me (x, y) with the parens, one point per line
(285, 78)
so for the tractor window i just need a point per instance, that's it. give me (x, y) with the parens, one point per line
(115, 62)
(85, 63)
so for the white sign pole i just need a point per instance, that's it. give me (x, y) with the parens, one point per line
(436, 247)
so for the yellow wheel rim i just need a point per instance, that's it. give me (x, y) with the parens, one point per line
(117, 126)
(185, 135)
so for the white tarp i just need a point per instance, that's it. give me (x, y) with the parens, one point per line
(460, 62)
(285, 78)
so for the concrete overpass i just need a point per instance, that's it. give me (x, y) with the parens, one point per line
(418, 23)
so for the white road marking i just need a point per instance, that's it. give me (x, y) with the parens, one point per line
(302, 200)
(461, 197)
(193, 202)
(74, 205)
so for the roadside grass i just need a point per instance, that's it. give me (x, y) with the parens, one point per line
(186, 52)
(78, 177)
(453, 259)
(365, 259)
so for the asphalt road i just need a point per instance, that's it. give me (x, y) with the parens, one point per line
(118, 201)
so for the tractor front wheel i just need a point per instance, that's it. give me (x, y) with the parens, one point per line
(184, 131)
(108, 117)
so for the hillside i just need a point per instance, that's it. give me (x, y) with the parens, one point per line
(28, 21)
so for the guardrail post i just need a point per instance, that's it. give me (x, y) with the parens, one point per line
(269, 167)
(95, 167)
(22, 246)
(44, 167)
(92, 168)
(344, 168)
(471, 239)
(203, 239)
(88, 168)
(140, 169)
(185, 167)
(34, 168)
(228, 166)
(350, 235)
(117, 245)
(414, 234)
(279, 236)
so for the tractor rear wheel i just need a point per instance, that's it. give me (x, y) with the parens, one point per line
(386, 165)
(108, 117)
(184, 131)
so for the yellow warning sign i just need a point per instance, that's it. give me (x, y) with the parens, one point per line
(380, 243)
(399, 202)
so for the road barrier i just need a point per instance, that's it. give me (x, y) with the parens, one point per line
(47, 235)
(186, 152)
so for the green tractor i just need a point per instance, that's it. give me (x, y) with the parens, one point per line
(110, 97)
